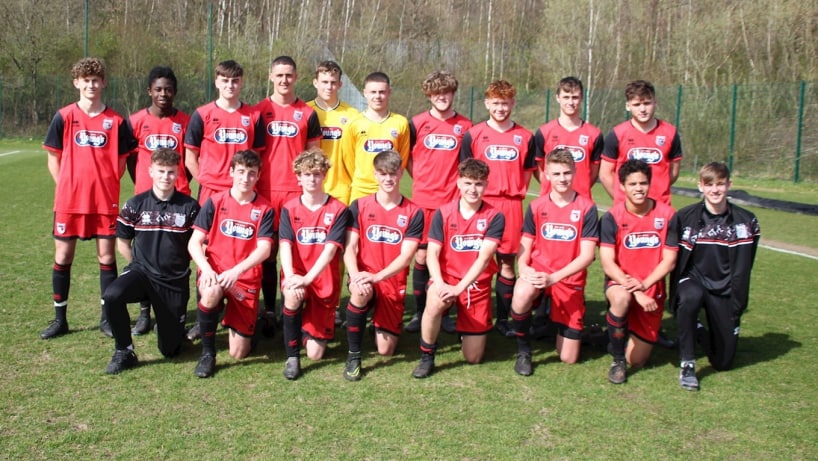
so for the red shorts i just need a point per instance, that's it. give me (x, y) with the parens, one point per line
(645, 325)
(512, 209)
(567, 305)
(277, 199)
(242, 309)
(473, 307)
(206, 192)
(428, 214)
(389, 304)
(318, 316)
(83, 226)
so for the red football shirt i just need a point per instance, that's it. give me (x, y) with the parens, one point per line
(153, 133)
(509, 155)
(585, 144)
(89, 149)
(287, 129)
(658, 148)
(435, 155)
(558, 231)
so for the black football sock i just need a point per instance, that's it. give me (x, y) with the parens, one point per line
(427, 349)
(420, 280)
(61, 284)
(617, 335)
(356, 325)
(208, 322)
(291, 323)
(269, 284)
(522, 328)
(503, 290)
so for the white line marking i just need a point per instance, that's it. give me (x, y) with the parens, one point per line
(789, 252)
(11, 153)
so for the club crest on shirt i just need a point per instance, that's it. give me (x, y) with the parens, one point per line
(394, 132)
(107, 124)
(344, 120)
(245, 120)
(660, 141)
(658, 223)
(176, 128)
(457, 129)
(255, 214)
(482, 224)
(328, 217)
(575, 215)
(518, 140)
(583, 140)
(741, 231)
(402, 220)
(298, 115)
(179, 219)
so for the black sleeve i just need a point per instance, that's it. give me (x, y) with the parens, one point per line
(530, 155)
(436, 228)
(610, 150)
(195, 130)
(539, 145)
(338, 232)
(413, 135)
(465, 147)
(598, 147)
(415, 229)
(608, 229)
(53, 137)
(496, 227)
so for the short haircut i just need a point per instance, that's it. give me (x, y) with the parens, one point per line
(88, 67)
(473, 169)
(246, 158)
(439, 81)
(639, 89)
(162, 72)
(561, 157)
(388, 161)
(329, 67)
(713, 172)
(569, 85)
(229, 69)
(379, 77)
(311, 160)
(500, 89)
(165, 157)
(633, 166)
(283, 60)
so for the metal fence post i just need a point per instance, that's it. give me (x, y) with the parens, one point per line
(796, 169)
(731, 149)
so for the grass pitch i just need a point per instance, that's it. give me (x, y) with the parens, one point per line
(57, 403)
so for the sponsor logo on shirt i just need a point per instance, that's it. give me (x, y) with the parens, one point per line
(282, 129)
(467, 242)
(558, 232)
(384, 234)
(158, 141)
(332, 133)
(440, 142)
(502, 153)
(237, 229)
(577, 152)
(312, 236)
(87, 138)
(642, 240)
(230, 136)
(647, 154)
(373, 146)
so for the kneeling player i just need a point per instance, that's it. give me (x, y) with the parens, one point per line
(232, 236)
(637, 249)
(313, 229)
(463, 239)
(560, 234)
(384, 234)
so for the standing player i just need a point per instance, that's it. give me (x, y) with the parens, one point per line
(570, 131)
(384, 232)
(463, 238)
(152, 232)
(508, 149)
(436, 136)
(376, 129)
(334, 117)
(87, 144)
(291, 126)
(643, 137)
(560, 234)
(313, 229)
(717, 248)
(158, 126)
(638, 246)
(232, 235)
(217, 131)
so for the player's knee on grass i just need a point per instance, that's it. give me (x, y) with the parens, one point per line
(524, 295)
(387, 343)
(638, 352)
(239, 346)
(619, 299)
(315, 348)
(474, 348)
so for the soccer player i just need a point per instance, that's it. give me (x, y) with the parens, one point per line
(375, 130)
(87, 144)
(313, 230)
(217, 131)
(643, 137)
(291, 126)
(560, 234)
(638, 246)
(334, 117)
(158, 126)
(570, 131)
(384, 233)
(153, 230)
(436, 136)
(509, 151)
(463, 238)
(717, 247)
(232, 235)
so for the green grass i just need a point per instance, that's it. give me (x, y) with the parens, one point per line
(57, 402)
